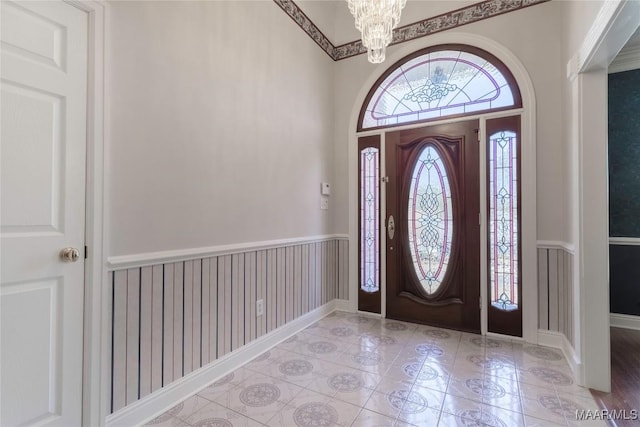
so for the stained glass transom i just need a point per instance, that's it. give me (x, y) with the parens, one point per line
(430, 219)
(503, 220)
(369, 219)
(438, 84)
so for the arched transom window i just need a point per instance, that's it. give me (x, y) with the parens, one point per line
(438, 82)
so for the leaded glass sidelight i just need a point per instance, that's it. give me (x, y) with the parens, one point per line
(369, 219)
(503, 220)
(430, 219)
(438, 84)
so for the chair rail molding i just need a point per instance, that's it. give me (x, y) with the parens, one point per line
(161, 257)
(624, 241)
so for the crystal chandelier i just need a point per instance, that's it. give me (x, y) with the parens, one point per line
(376, 19)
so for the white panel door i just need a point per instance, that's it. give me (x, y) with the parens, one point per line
(43, 140)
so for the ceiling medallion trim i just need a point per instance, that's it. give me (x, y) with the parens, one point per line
(447, 21)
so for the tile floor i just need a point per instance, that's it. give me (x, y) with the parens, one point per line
(351, 370)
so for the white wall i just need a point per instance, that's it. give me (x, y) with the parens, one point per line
(221, 126)
(533, 35)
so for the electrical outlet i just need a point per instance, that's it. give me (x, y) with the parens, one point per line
(259, 307)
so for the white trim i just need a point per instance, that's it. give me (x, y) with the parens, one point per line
(528, 126)
(383, 228)
(556, 244)
(625, 321)
(160, 401)
(595, 39)
(627, 60)
(504, 337)
(558, 340)
(484, 229)
(443, 121)
(95, 360)
(342, 305)
(369, 314)
(154, 258)
(613, 26)
(550, 338)
(624, 241)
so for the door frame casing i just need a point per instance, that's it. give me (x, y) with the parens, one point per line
(587, 74)
(528, 165)
(95, 358)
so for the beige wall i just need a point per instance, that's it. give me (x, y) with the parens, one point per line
(534, 36)
(578, 17)
(220, 126)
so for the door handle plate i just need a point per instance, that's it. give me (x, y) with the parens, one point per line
(391, 227)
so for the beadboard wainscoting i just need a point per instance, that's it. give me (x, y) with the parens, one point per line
(556, 302)
(173, 318)
(555, 291)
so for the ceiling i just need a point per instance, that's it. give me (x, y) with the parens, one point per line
(634, 41)
(333, 18)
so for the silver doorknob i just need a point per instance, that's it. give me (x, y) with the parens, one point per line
(70, 254)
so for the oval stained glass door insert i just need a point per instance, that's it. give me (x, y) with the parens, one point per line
(430, 219)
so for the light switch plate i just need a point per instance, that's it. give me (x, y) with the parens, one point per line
(324, 203)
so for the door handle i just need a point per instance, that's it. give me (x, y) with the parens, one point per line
(70, 254)
(391, 227)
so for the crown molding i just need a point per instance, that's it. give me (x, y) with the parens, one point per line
(446, 21)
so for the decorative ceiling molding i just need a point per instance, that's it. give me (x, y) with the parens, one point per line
(446, 21)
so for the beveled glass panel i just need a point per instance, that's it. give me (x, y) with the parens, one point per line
(438, 84)
(430, 219)
(370, 219)
(503, 220)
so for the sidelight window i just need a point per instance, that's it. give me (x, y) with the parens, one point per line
(503, 220)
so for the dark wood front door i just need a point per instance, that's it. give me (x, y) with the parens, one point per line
(432, 224)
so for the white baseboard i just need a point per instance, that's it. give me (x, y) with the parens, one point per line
(342, 305)
(558, 340)
(160, 401)
(550, 338)
(625, 321)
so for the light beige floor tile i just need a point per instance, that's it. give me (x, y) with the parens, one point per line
(417, 415)
(348, 386)
(355, 369)
(455, 405)
(379, 403)
(368, 418)
(493, 415)
(450, 420)
(458, 387)
(434, 398)
(166, 420)
(314, 409)
(537, 422)
(545, 408)
(261, 399)
(214, 414)
(188, 407)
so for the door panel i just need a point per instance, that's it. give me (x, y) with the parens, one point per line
(43, 92)
(433, 259)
